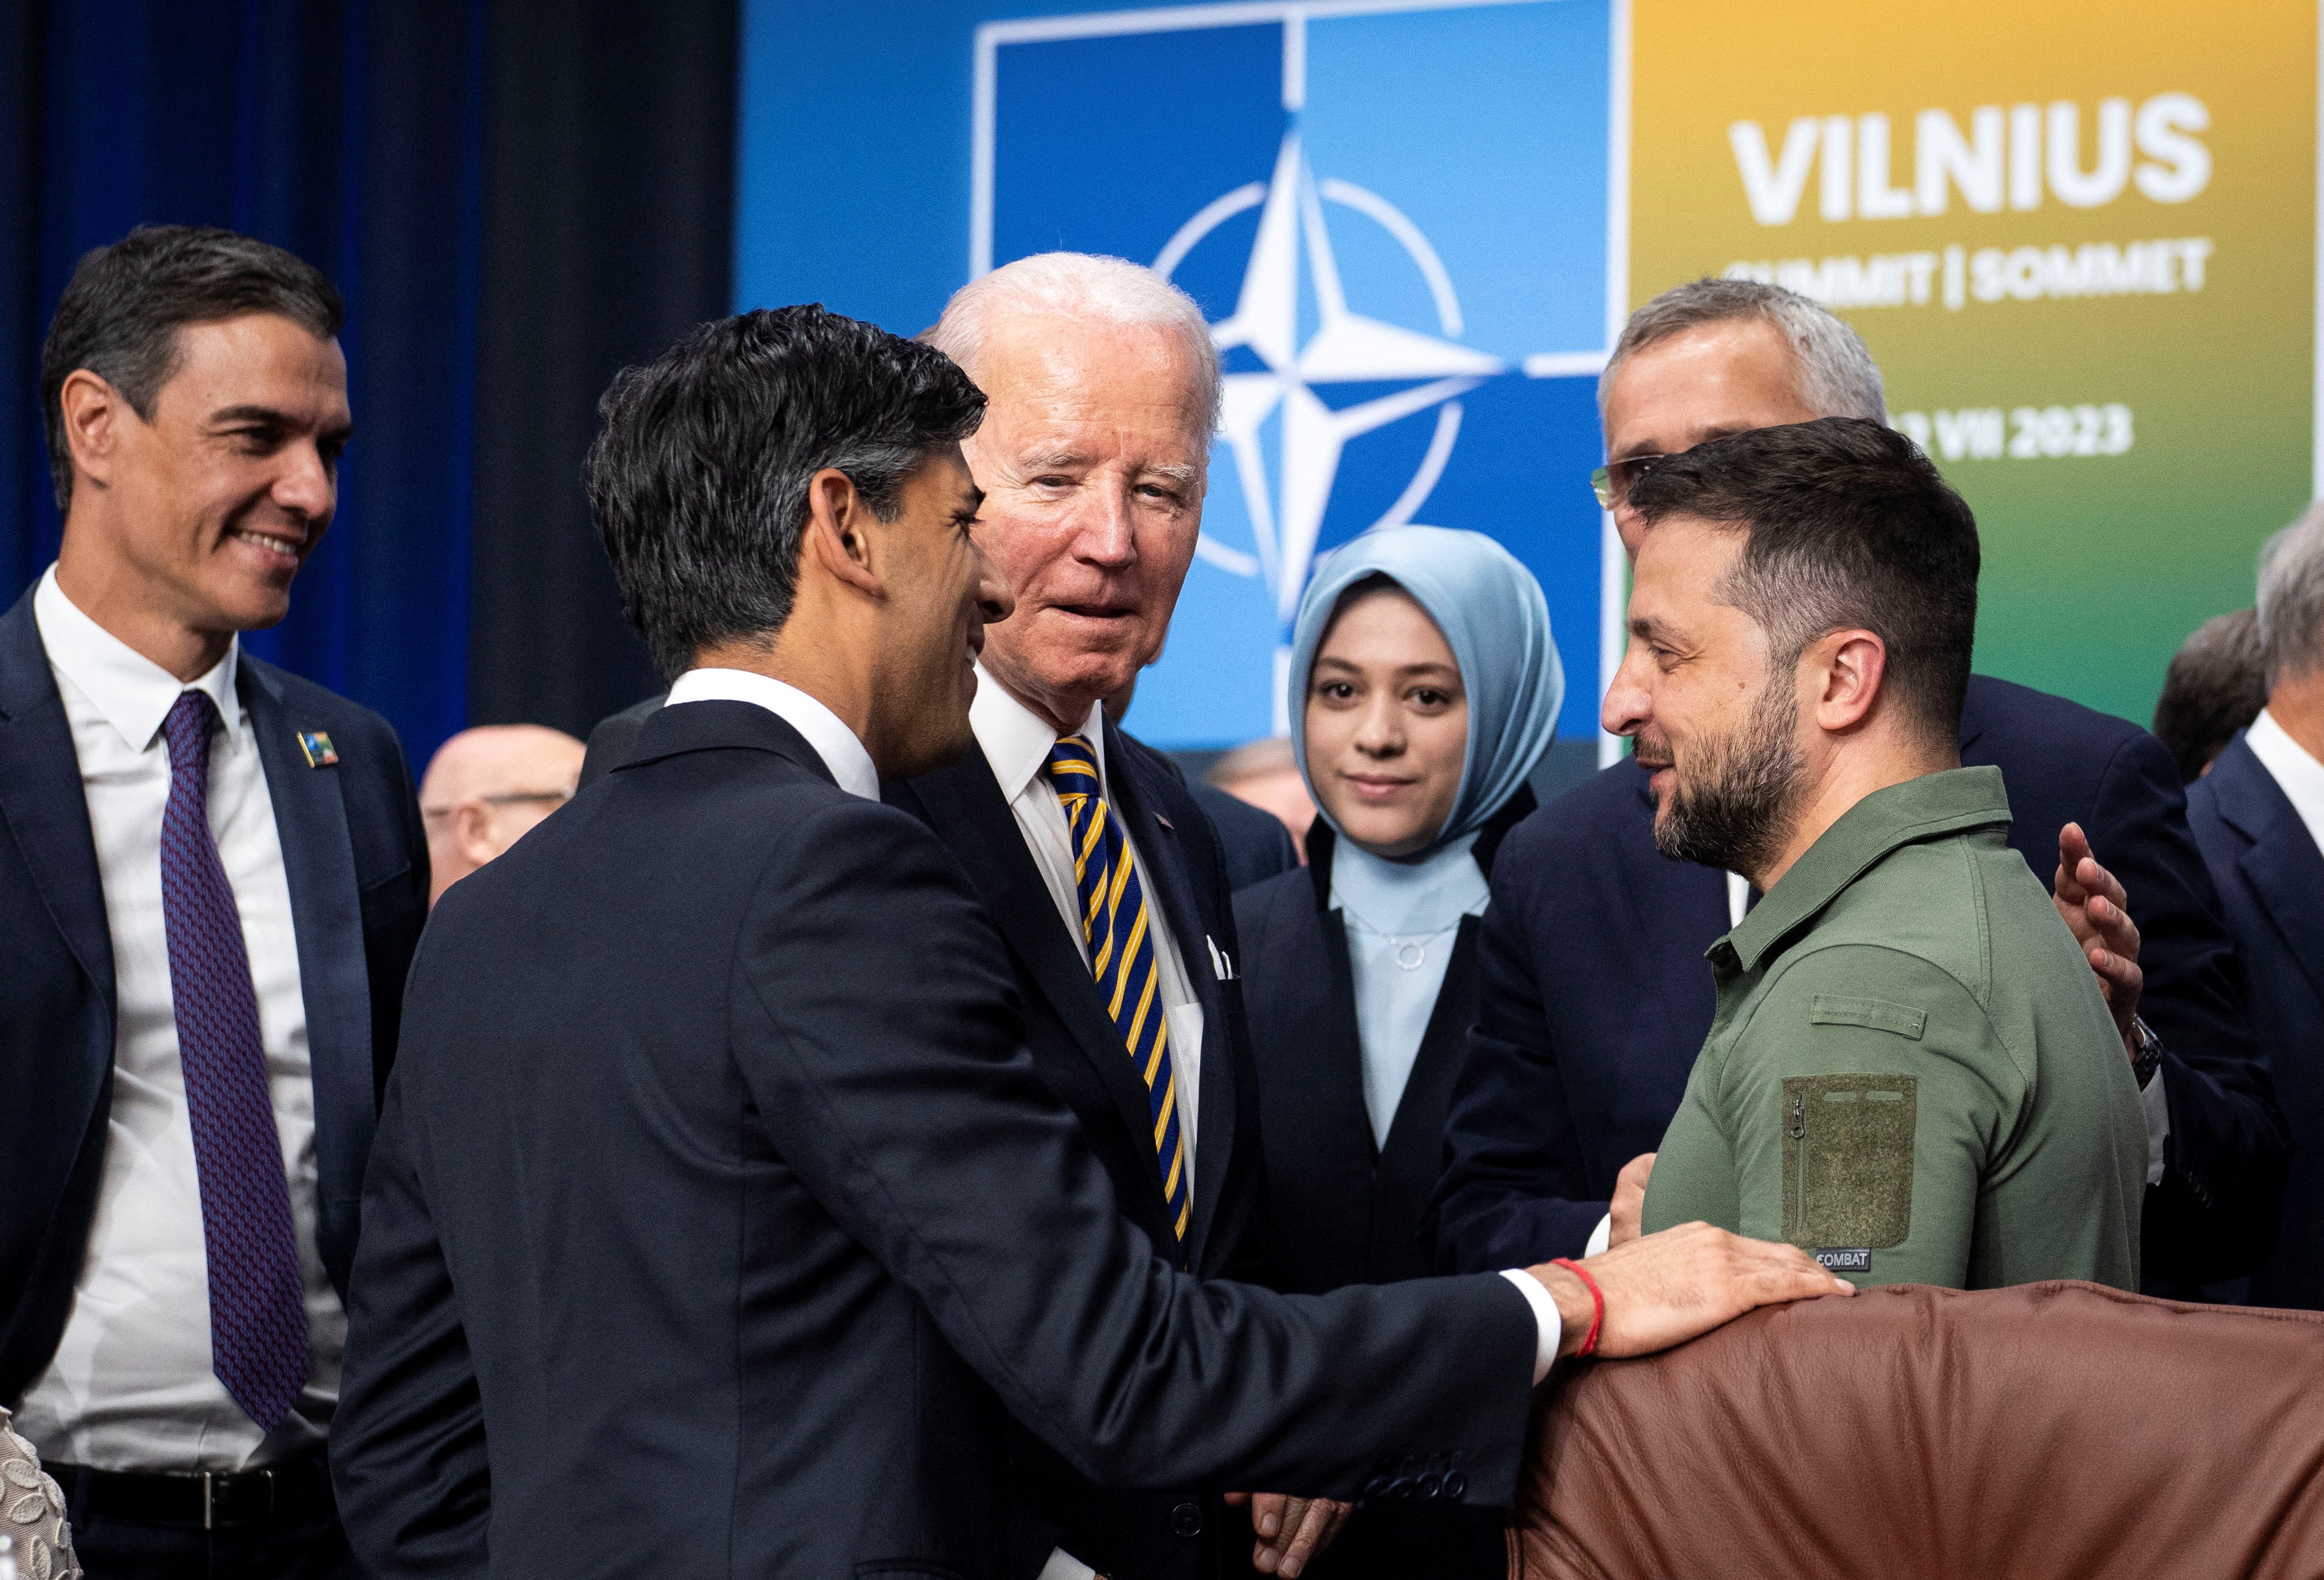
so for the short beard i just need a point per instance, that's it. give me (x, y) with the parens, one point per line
(1735, 811)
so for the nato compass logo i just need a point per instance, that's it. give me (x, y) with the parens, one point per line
(1398, 221)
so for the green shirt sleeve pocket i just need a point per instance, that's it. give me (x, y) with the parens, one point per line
(1831, 1008)
(1848, 1152)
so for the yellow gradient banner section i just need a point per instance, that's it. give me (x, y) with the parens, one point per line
(2080, 240)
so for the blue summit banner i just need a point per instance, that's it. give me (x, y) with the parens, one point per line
(1406, 224)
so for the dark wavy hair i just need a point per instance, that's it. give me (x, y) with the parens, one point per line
(698, 481)
(121, 309)
(1849, 526)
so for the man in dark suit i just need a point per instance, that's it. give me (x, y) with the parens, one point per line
(1596, 996)
(719, 1219)
(212, 877)
(2258, 815)
(1103, 389)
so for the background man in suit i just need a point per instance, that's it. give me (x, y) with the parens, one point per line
(2258, 815)
(1596, 998)
(485, 789)
(211, 881)
(718, 1213)
(1104, 390)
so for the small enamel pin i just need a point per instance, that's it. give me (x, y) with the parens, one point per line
(317, 745)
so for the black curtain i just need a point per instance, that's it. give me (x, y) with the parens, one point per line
(348, 131)
(609, 195)
(516, 197)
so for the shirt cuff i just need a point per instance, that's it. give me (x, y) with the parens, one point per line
(1551, 1325)
(2156, 1102)
(1600, 1237)
(1064, 1565)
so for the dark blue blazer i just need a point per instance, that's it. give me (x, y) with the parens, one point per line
(718, 1214)
(1255, 843)
(357, 864)
(2271, 880)
(1343, 1209)
(1597, 998)
(1079, 1054)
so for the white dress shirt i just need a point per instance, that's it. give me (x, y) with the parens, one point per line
(1015, 742)
(131, 1386)
(2295, 770)
(832, 741)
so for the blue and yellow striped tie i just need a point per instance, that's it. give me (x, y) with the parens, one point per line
(1119, 934)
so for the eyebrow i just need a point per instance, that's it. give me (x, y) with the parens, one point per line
(970, 503)
(1424, 667)
(226, 416)
(1178, 472)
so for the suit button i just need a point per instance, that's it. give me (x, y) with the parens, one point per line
(1456, 1484)
(1376, 1489)
(1429, 1485)
(1186, 1519)
(1400, 1489)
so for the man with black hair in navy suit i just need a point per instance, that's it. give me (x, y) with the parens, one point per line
(1596, 996)
(212, 877)
(2258, 815)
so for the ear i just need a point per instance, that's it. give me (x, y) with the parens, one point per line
(93, 413)
(472, 832)
(1846, 669)
(838, 533)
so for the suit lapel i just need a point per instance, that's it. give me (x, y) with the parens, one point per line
(318, 863)
(965, 808)
(47, 814)
(1172, 891)
(2283, 866)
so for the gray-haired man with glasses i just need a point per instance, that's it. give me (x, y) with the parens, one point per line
(487, 787)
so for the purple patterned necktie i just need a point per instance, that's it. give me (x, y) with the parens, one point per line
(258, 1312)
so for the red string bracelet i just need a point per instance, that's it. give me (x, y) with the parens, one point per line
(1597, 1304)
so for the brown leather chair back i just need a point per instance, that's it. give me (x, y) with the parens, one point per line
(2058, 1431)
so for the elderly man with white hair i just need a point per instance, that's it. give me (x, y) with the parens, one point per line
(1104, 391)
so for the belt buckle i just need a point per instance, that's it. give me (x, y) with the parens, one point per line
(210, 1480)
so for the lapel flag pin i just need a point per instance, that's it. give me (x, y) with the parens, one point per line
(317, 745)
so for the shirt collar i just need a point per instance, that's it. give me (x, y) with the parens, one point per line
(1949, 802)
(1017, 740)
(133, 692)
(2296, 772)
(850, 764)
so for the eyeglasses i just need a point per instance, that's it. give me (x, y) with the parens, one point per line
(512, 798)
(1611, 483)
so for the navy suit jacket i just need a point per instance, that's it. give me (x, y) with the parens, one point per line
(1597, 998)
(356, 860)
(1079, 1054)
(718, 1214)
(1343, 1209)
(2271, 880)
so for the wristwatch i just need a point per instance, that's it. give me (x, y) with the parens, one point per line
(2145, 1051)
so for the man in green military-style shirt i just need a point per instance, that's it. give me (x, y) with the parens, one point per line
(1912, 1073)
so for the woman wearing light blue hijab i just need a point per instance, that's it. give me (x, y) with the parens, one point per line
(1425, 687)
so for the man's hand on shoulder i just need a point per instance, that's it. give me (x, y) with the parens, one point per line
(1664, 1289)
(2096, 910)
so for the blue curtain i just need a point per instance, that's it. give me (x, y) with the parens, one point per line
(352, 134)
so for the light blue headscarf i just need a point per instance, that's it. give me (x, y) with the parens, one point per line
(1402, 914)
(1496, 620)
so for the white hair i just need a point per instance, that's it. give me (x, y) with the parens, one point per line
(1838, 377)
(2291, 598)
(1080, 285)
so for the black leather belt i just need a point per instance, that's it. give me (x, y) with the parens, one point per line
(290, 1493)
